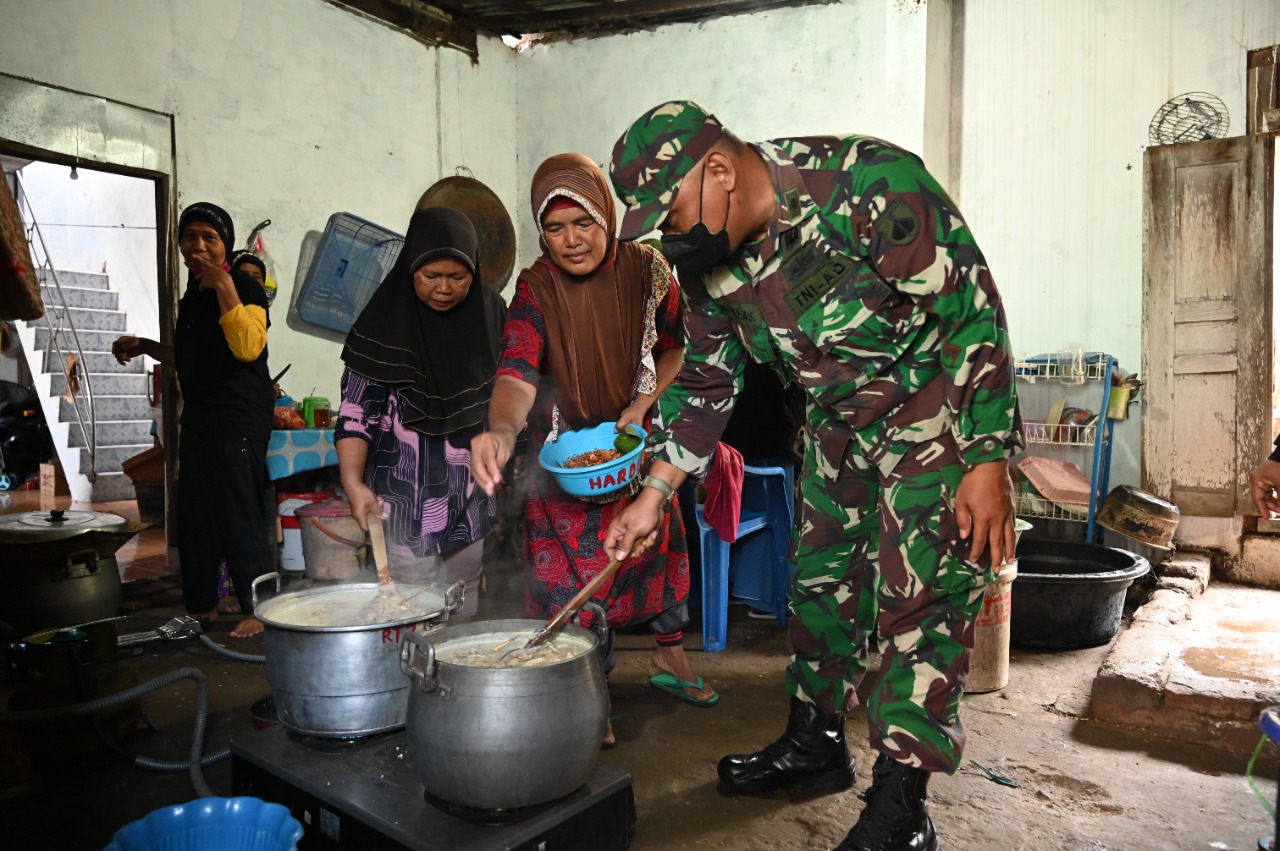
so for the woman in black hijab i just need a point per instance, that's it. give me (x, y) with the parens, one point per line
(220, 353)
(421, 360)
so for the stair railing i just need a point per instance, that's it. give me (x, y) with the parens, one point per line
(64, 342)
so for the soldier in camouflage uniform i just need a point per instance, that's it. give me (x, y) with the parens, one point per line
(843, 264)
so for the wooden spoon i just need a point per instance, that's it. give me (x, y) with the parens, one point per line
(378, 541)
(571, 608)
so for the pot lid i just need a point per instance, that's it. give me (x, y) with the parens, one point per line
(495, 234)
(332, 508)
(32, 526)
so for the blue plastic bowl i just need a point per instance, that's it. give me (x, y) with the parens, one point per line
(591, 481)
(212, 824)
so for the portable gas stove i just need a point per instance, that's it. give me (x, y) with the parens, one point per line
(360, 794)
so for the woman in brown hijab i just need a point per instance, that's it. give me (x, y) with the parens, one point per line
(601, 319)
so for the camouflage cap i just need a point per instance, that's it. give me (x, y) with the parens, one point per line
(654, 155)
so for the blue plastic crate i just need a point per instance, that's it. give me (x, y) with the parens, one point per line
(353, 257)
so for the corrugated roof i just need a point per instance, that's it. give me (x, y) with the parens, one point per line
(456, 24)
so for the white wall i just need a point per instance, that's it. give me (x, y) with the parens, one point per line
(1057, 98)
(854, 67)
(289, 110)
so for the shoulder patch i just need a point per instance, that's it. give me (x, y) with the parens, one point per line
(898, 224)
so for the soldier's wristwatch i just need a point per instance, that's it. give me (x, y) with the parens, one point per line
(661, 487)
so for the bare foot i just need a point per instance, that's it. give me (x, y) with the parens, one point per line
(609, 739)
(229, 606)
(248, 627)
(673, 660)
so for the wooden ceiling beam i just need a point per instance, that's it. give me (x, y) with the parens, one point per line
(431, 25)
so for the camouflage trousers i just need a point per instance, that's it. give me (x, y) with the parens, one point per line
(879, 554)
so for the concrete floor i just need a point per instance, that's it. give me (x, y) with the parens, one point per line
(1083, 786)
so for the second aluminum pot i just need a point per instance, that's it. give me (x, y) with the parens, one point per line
(500, 738)
(342, 680)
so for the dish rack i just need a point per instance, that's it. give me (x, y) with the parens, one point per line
(1088, 443)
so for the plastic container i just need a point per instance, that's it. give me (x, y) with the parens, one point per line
(212, 824)
(989, 661)
(353, 257)
(287, 503)
(315, 412)
(591, 481)
(331, 540)
(1070, 595)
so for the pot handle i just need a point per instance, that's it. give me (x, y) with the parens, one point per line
(598, 623)
(253, 589)
(411, 647)
(88, 558)
(454, 597)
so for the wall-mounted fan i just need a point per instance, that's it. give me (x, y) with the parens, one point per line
(1190, 117)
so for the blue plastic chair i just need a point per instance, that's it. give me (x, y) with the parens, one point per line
(755, 566)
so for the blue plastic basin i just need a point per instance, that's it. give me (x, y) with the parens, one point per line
(212, 824)
(591, 481)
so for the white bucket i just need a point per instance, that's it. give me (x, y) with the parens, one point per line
(290, 533)
(989, 662)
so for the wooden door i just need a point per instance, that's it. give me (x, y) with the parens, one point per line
(1207, 321)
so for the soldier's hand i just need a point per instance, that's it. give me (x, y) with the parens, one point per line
(984, 512)
(635, 529)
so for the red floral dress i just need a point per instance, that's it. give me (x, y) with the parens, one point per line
(564, 536)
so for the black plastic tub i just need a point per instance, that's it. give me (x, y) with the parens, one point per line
(1070, 595)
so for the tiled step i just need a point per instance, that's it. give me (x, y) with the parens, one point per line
(95, 363)
(125, 433)
(107, 409)
(90, 341)
(106, 384)
(79, 297)
(110, 487)
(110, 458)
(86, 280)
(86, 318)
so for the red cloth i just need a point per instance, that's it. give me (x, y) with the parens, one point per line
(724, 492)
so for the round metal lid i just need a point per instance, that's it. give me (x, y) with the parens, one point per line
(494, 231)
(56, 524)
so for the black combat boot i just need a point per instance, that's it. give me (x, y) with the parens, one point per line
(812, 751)
(896, 817)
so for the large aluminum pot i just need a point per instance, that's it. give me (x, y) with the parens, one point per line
(341, 679)
(499, 738)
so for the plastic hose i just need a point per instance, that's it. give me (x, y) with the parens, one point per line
(1248, 773)
(92, 707)
(231, 654)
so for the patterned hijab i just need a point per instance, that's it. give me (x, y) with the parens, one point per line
(595, 322)
(442, 364)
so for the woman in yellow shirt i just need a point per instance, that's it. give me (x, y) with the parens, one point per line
(220, 353)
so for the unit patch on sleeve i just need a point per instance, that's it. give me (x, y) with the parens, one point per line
(898, 224)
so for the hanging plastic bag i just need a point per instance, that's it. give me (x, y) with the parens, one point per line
(258, 246)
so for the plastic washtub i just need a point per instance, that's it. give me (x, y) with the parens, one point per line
(212, 824)
(591, 481)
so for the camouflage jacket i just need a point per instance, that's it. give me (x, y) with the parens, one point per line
(869, 292)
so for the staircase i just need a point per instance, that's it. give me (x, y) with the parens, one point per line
(121, 410)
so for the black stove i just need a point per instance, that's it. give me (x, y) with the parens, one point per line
(358, 794)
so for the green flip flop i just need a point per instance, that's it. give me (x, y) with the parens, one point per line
(673, 686)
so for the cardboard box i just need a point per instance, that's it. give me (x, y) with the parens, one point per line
(52, 482)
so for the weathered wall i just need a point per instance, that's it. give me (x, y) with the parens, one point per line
(290, 110)
(1057, 98)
